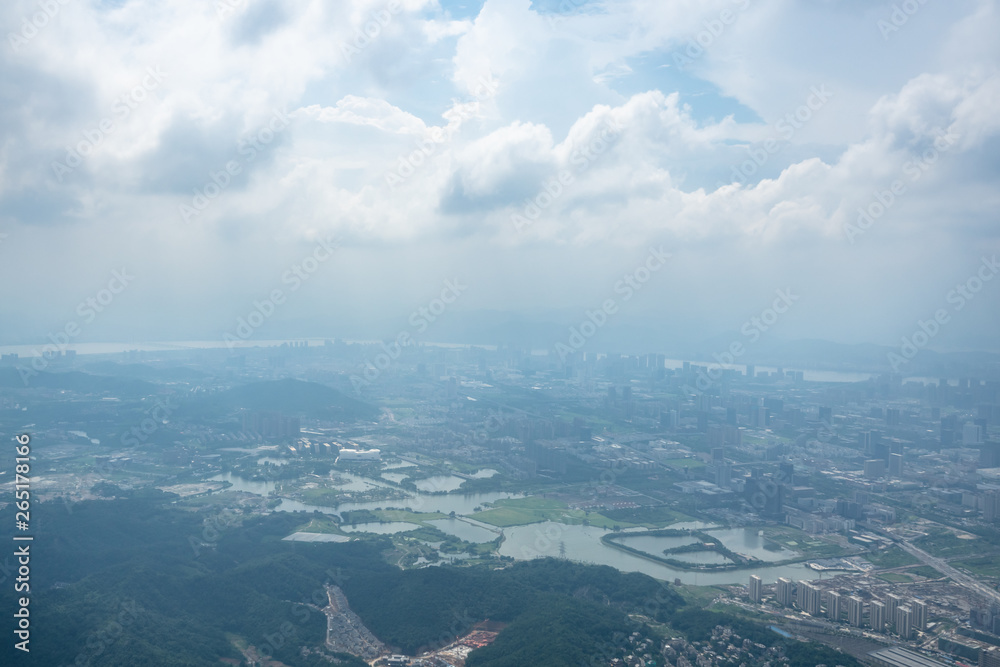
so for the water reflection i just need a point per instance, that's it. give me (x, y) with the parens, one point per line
(464, 530)
(386, 528)
(439, 483)
(583, 543)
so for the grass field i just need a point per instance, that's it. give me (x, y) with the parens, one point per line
(895, 578)
(891, 557)
(925, 571)
(651, 517)
(985, 566)
(804, 543)
(324, 524)
(410, 517)
(522, 511)
(945, 544)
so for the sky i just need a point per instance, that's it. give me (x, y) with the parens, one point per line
(261, 168)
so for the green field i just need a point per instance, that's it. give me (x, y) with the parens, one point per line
(895, 577)
(659, 516)
(410, 517)
(984, 566)
(926, 571)
(323, 524)
(945, 544)
(806, 544)
(522, 511)
(891, 557)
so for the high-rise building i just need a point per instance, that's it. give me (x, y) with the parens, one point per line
(855, 611)
(786, 473)
(991, 506)
(874, 468)
(989, 657)
(865, 442)
(833, 605)
(919, 608)
(949, 427)
(971, 434)
(904, 622)
(896, 465)
(808, 598)
(783, 592)
(892, 603)
(756, 589)
(877, 616)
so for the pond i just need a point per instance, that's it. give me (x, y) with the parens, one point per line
(439, 483)
(260, 487)
(464, 530)
(583, 544)
(273, 461)
(748, 542)
(386, 528)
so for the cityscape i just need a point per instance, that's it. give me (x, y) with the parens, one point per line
(855, 510)
(500, 333)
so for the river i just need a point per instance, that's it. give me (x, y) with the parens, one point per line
(581, 543)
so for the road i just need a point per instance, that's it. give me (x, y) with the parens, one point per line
(942, 566)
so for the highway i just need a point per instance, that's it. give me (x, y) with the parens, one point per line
(942, 566)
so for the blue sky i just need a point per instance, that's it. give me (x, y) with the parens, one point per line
(695, 125)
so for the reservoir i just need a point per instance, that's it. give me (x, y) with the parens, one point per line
(581, 543)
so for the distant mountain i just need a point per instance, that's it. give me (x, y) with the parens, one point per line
(84, 383)
(145, 372)
(295, 397)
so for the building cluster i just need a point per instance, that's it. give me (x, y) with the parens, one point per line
(893, 613)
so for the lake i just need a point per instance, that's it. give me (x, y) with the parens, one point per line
(582, 543)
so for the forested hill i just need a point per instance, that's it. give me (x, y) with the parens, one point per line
(164, 586)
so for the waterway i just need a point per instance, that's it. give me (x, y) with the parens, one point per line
(386, 528)
(581, 543)
(438, 483)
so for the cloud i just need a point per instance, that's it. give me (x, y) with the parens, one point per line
(394, 144)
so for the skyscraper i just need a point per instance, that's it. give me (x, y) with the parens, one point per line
(896, 465)
(877, 616)
(808, 598)
(892, 603)
(756, 588)
(855, 611)
(783, 592)
(833, 605)
(919, 608)
(904, 622)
